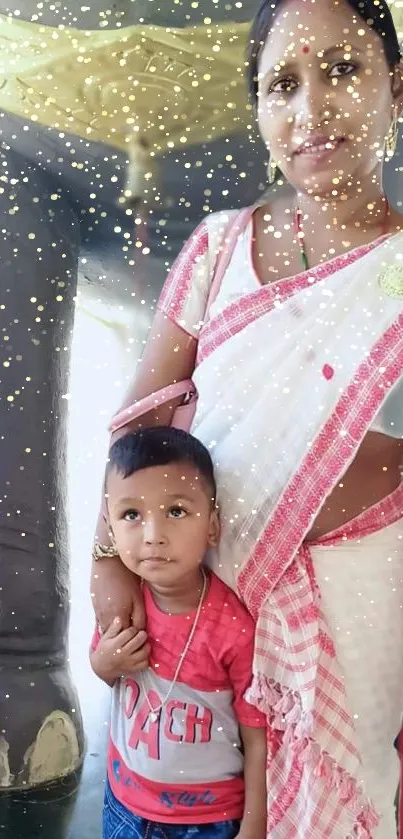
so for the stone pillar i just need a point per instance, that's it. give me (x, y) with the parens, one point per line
(41, 734)
(43, 195)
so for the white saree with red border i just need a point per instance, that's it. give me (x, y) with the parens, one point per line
(290, 377)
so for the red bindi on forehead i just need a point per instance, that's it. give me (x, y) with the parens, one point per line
(306, 49)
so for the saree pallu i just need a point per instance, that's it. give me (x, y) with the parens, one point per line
(290, 378)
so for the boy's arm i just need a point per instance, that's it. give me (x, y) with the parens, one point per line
(253, 825)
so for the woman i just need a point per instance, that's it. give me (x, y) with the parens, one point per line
(298, 365)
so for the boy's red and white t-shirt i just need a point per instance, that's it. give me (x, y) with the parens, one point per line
(186, 766)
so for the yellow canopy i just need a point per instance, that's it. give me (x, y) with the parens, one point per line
(176, 86)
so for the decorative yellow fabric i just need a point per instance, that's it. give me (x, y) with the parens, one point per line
(174, 86)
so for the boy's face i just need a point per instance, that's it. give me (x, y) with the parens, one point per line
(163, 521)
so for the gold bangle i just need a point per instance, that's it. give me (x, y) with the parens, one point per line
(103, 551)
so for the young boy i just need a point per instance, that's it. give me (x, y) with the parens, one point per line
(187, 753)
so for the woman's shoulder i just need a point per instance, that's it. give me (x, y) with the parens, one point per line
(217, 225)
(218, 221)
(396, 222)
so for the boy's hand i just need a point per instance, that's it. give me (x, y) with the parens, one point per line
(120, 652)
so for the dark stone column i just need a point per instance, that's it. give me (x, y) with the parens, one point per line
(40, 724)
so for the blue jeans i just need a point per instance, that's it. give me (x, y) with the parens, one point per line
(119, 823)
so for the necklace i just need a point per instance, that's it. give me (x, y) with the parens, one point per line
(300, 235)
(154, 712)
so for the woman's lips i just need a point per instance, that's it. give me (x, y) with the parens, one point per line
(319, 149)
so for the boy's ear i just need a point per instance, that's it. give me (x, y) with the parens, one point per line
(214, 527)
(111, 535)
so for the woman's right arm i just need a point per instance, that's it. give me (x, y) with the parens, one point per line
(169, 356)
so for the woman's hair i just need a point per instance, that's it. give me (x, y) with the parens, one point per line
(160, 446)
(375, 13)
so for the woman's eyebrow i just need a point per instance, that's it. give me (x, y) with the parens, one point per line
(284, 66)
(279, 67)
(345, 48)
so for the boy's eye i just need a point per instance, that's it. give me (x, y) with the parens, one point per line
(177, 512)
(132, 515)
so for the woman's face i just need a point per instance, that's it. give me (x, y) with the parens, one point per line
(325, 100)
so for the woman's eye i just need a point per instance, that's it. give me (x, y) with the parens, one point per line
(132, 515)
(177, 512)
(283, 86)
(342, 68)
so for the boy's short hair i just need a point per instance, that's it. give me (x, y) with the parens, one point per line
(159, 446)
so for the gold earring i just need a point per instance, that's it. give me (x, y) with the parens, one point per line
(271, 170)
(391, 139)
